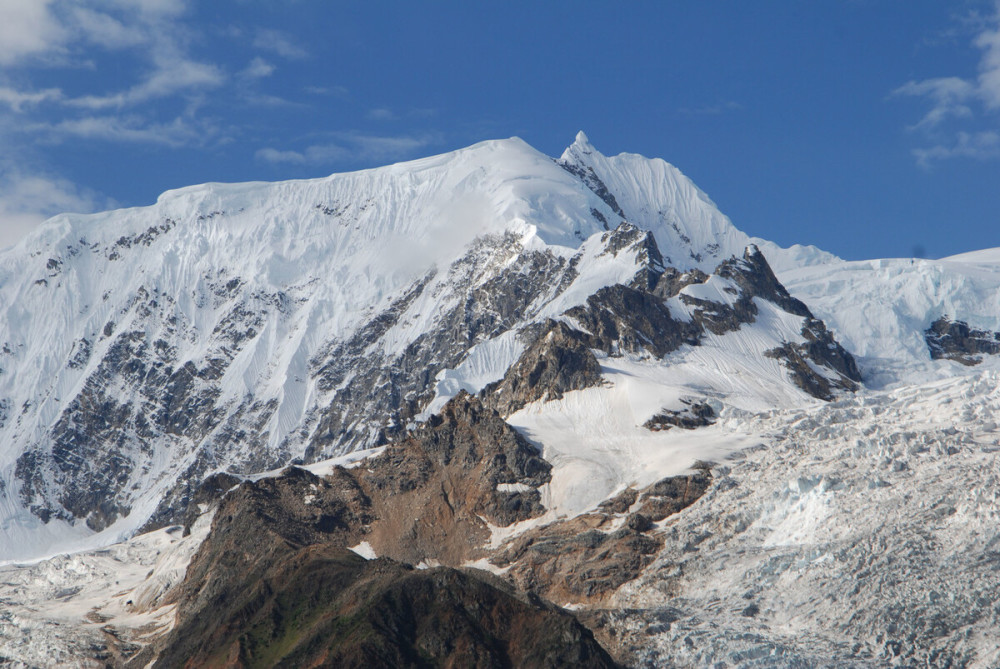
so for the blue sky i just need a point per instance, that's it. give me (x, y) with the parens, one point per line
(870, 128)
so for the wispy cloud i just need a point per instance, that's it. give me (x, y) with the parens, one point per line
(279, 43)
(989, 65)
(131, 129)
(382, 114)
(350, 147)
(18, 100)
(151, 33)
(104, 30)
(258, 68)
(950, 97)
(710, 110)
(373, 147)
(958, 104)
(335, 91)
(171, 75)
(979, 145)
(27, 199)
(386, 114)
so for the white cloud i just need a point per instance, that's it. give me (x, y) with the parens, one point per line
(105, 30)
(317, 154)
(280, 43)
(173, 74)
(28, 199)
(17, 100)
(989, 66)
(153, 8)
(48, 28)
(270, 155)
(372, 147)
(28, 28)
(349, 147)
(336, 91)
(132, 129)
(45, 28)
(258, 69)
(386, 114)
(959, 107)
(950, 96)
(382, 114)
(980, 146)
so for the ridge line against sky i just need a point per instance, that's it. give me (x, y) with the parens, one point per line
(869, 128)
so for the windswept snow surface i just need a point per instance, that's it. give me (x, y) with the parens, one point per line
(879, 309)
(690, 230)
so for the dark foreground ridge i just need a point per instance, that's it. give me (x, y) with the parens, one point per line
(323, 606)
(275, 584)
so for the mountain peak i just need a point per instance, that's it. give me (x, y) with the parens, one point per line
(577, 152)
(582, 141)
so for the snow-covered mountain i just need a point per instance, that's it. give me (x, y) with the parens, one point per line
(603, 307)
(239, 327)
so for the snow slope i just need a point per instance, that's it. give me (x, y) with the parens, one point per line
(689, 228)
(879, 309)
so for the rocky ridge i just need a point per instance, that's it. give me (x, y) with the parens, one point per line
(638, 319)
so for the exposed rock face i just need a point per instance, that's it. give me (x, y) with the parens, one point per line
(675, 493)
(143, 403)
(754, 277)
(489, 290)
(581, 560)
(587, 175)
(623, 319)
(433, 490)
(636, 319)
(138, 401)
(585, 559)
(672, 281)
(955, 340)
(820, 348)
(558, 361)
(641, 242)
(695, 414)
(424, 498)
(751, 278)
